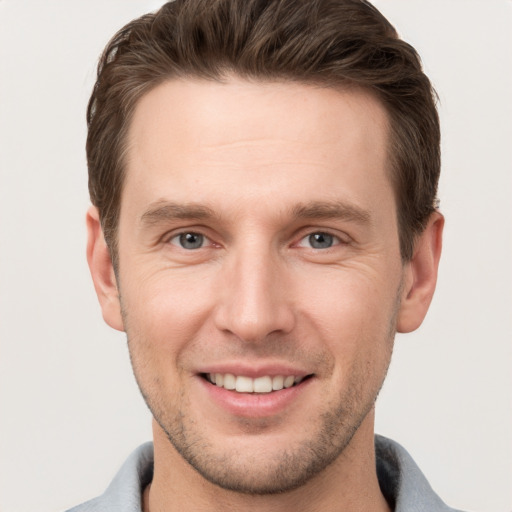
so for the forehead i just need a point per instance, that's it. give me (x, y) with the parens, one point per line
(207, 141)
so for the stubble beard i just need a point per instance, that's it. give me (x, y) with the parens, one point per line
(263, 474)
(283, 470)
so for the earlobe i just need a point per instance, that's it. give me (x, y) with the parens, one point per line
(102, 271)
(420, 276)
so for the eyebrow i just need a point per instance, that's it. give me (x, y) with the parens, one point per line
(164, 211)
(332, 210)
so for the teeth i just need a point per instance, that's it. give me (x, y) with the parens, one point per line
(263, 385)
(277, 382)
(243, 384)
(229, 381)
(288, 382)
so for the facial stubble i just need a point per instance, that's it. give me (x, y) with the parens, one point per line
(264, 473)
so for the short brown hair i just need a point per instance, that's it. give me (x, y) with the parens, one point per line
(328, 42)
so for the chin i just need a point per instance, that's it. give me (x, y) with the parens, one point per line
(246, 464)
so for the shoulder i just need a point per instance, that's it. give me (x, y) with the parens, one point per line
(402, 481)
(125, 492)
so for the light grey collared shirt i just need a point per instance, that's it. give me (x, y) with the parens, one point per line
(400, 479)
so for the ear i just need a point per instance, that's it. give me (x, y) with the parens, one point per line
(102, 271)
(420, 275)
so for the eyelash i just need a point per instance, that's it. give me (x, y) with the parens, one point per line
(321, 237)
(179, 237)
(335, 240)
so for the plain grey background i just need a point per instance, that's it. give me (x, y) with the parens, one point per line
(70, 411)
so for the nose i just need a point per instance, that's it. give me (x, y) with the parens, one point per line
(254, 299)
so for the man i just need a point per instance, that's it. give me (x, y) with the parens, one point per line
(264, 179)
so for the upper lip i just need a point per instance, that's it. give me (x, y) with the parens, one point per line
(255, 370)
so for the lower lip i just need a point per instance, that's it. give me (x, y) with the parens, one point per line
(255, 405)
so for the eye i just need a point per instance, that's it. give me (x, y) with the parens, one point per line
(189, 241)
(319, 240)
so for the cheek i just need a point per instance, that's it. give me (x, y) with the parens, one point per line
(355, 315)
(346, 300)
(163, 313)
(166, 297)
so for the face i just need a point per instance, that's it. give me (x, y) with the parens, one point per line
(258, 250)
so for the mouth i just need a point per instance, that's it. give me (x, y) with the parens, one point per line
(244, 384)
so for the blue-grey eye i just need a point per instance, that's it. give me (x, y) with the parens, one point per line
(321, 240)
(189, 240)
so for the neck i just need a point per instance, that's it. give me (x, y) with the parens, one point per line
(349, 483)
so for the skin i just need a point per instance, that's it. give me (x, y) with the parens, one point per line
(254, 169)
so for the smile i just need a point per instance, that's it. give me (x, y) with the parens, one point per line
(243, 384)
